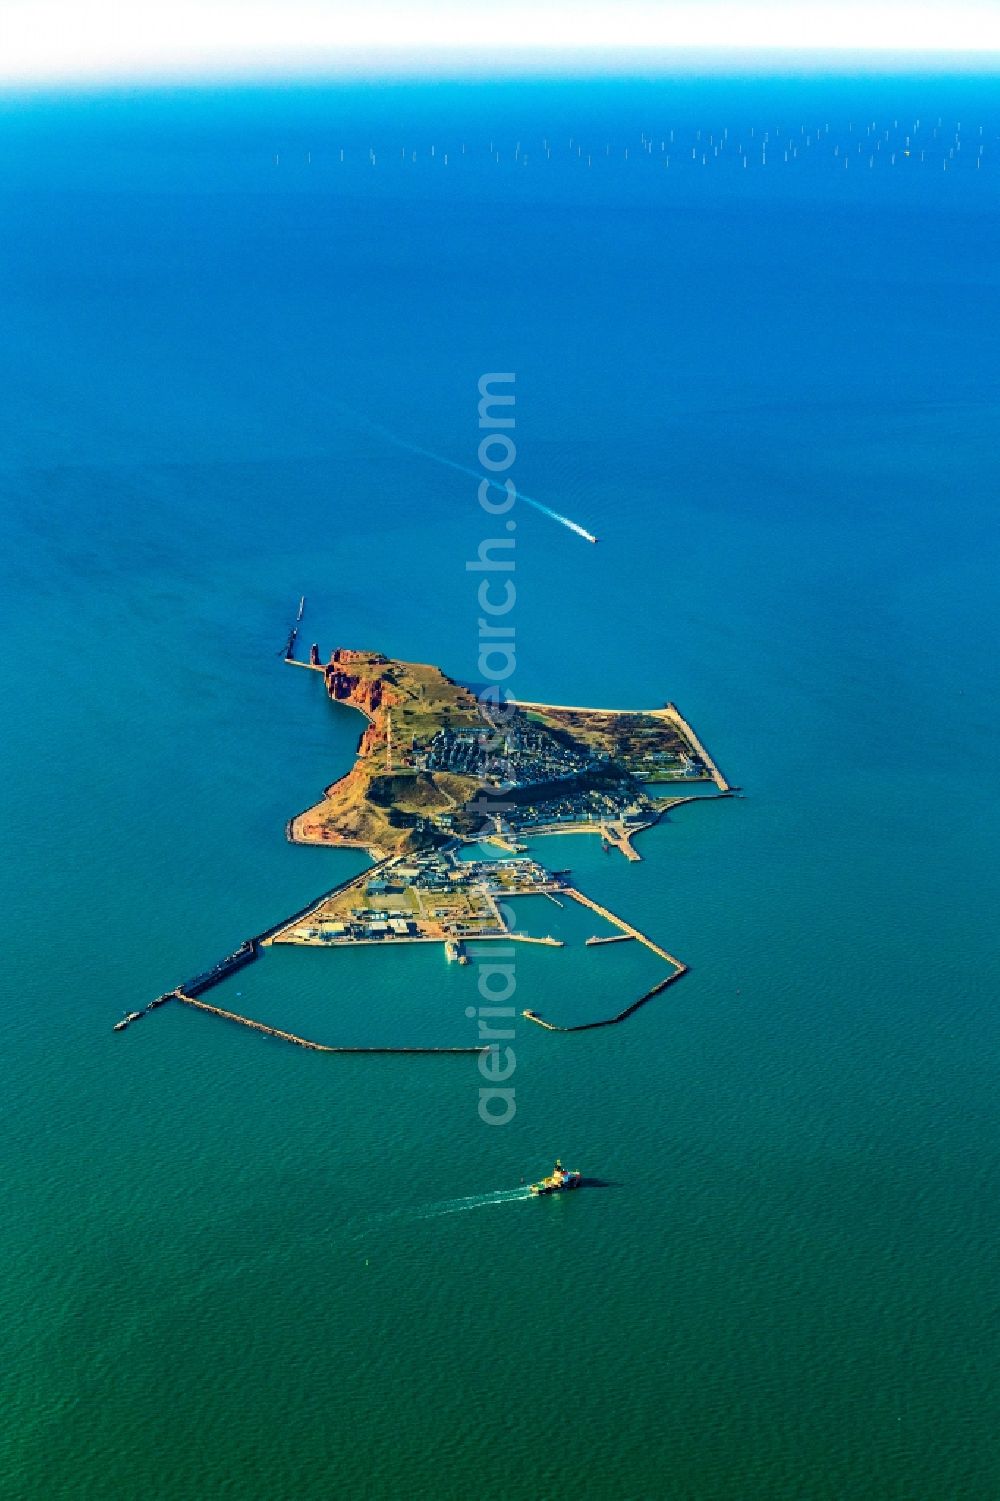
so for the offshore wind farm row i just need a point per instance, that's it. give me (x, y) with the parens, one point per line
(899, 142)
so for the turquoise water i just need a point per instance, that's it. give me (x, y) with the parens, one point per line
(231, 1267)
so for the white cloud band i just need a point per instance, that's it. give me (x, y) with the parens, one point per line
(50, 40)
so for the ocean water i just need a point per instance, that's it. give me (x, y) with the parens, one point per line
(234, 1268)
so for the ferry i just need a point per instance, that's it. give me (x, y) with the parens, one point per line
(560, 1180)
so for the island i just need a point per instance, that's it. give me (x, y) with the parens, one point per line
(436, 763)
(439, 772)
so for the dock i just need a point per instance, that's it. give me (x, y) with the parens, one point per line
(620, 836)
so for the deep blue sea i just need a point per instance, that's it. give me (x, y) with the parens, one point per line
(768, 382)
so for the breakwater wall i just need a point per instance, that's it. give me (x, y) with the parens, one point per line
(245, 954)
(305, 1042)
(610, 1021)
(626, 927)
(627, 930)
(248, 951)
(269, 935)
(666, 804)
(676, 718)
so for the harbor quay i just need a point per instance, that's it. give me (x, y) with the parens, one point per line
(430, 898)
(436, 898)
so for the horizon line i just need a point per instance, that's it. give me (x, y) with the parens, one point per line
(462, 64)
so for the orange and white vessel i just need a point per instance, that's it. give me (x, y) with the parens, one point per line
(560, 1180)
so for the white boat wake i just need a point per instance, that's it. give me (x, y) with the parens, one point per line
(437, 458)
(474, 1201)
(407, 1215)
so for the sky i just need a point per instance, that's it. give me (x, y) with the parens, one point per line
(50, 41)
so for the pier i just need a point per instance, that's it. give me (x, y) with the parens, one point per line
(621, 837)
(627, 928)
(668, 804)
(628, 931)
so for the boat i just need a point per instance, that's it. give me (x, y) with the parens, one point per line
(560, 1180)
